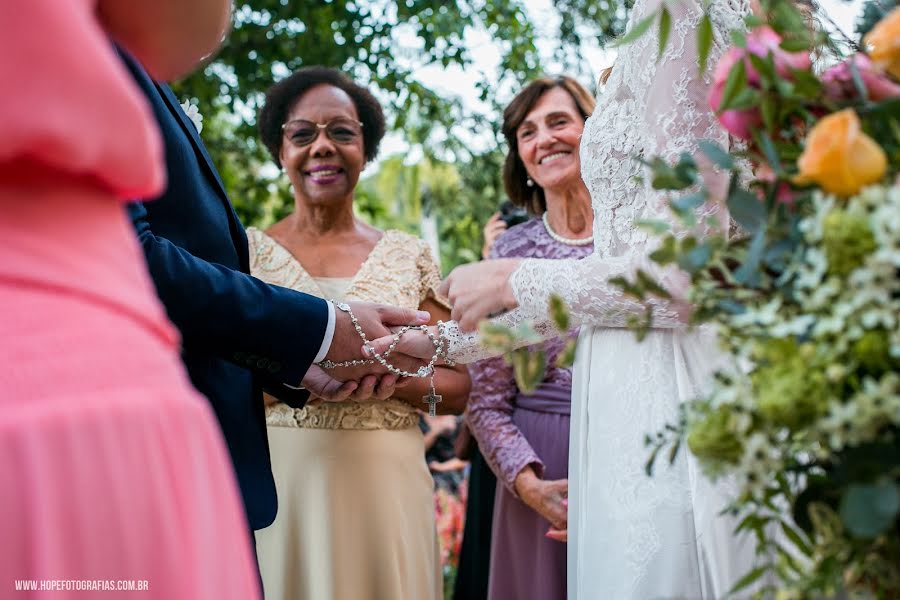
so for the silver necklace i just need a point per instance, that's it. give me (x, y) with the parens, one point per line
(565, 240)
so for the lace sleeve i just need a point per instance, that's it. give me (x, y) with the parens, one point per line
(489, 414)
(648, 108)
(429, 276)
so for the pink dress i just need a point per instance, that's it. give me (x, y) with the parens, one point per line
(112, 469)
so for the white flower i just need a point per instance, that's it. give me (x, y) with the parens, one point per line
(193, 113)
(758, 464)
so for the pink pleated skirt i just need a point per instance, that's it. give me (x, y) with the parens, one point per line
(113, 472)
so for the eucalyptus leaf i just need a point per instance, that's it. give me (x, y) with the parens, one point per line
(770, 151)
(748, 273)
(867, 511)
(696, 259)
(716, 154)
(746, 209)
(657, 226)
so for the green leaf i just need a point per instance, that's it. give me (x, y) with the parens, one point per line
(746, 209)
(746, 98)
(748, 273)
(734, 83)
(796, 539)
(858, 82)
(869, 510)
(771, 152)
(665, 26)
(748, 579)
(529, 367)
(650, 284)
(696, 258)
(657, 226)
(637, 31)
(566, 358)
(704, 41)
(769, 110)
(559, 312)
(738, 38)
(627, 287)
(716, 154)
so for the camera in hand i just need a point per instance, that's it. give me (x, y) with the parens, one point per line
(511, 214)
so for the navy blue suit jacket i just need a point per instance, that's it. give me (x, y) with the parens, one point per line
(239, 335)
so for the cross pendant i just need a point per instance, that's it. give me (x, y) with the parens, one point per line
(432, 399)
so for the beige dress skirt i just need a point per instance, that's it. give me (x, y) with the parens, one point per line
(355, 519)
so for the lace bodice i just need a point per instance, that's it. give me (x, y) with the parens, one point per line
(400, 271)
(648, 108)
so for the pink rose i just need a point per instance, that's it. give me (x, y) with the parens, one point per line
(838, 81)
(760, 42)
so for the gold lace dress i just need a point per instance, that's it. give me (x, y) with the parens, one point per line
(355, 511)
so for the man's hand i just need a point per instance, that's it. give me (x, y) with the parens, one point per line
(321, 384)
(376, 321)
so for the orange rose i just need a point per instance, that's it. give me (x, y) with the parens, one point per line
(883, 43)
(839, 156)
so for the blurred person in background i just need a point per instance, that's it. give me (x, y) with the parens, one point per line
(524, 437)
(111, 464)
(356, 515)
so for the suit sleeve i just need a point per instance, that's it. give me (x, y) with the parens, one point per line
(271, 330)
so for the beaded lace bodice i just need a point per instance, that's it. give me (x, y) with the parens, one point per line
(399, 271)
(647, 108)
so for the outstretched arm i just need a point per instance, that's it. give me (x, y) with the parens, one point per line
(672, 115)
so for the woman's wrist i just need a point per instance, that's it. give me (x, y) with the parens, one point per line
(525, 482)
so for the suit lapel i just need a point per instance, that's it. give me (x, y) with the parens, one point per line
(237, 230)
(189, 127)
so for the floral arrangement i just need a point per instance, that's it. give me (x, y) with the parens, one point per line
(806, 301)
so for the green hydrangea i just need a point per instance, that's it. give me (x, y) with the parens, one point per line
(847, 239)
(715, 436)
(872, 351)
(789, 389)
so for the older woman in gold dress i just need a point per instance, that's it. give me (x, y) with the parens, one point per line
(356, 517)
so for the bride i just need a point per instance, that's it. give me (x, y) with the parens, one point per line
(630, 536)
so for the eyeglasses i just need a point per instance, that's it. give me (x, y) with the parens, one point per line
(301, 132)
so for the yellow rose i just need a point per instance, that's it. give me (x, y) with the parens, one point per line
(883, 43)
(839, 156)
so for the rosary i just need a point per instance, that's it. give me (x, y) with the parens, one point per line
(432, 398)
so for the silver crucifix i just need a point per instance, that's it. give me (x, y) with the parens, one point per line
(432, 399)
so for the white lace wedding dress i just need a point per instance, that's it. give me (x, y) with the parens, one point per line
(632, 536)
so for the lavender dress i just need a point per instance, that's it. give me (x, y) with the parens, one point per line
(515, 430)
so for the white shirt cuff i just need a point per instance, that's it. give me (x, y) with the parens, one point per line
(328, 337)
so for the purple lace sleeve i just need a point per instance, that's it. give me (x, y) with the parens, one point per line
(489, 414)
(493, 397)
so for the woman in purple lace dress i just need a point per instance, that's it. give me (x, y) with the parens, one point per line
(525, 437)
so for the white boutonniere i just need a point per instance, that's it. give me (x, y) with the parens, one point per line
(193, 114)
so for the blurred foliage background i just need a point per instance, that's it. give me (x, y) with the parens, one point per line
(441, 184)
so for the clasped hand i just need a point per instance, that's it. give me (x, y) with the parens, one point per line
(364, 381)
